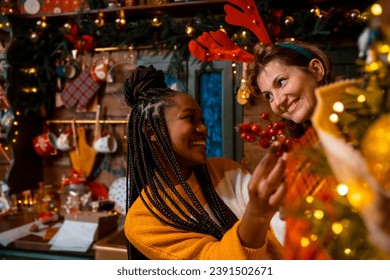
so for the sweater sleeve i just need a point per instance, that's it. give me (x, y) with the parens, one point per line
(158, 241)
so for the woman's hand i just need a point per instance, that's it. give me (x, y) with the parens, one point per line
(266, 193)
(266, 187)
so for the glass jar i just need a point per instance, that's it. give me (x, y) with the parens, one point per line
(75, 195)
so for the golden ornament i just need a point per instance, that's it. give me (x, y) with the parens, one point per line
(375, 148)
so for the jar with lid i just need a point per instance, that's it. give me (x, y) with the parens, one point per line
(75, 194)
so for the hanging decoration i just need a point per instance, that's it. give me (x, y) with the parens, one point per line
(83, 42)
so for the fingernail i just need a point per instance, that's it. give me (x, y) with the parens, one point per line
(284, 156)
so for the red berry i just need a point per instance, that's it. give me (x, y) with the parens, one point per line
(265, 116)
(279, 125)
(265, 133)
(272, 132)
(255, 128)
(250, 137)
(244, 127)
(264, 143)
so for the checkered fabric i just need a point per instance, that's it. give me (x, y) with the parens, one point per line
(80, 91)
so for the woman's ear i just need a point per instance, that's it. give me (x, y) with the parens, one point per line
(316, 66)
(153, 138)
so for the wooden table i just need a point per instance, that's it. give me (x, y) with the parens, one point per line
(32, 246)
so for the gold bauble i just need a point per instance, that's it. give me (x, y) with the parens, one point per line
(375, 148)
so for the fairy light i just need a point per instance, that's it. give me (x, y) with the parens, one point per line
(42, 22)
(376, 9)
(313, 237)
(374, 66)
(318, 214)
(361, 98)
(222, 29)
(121, 20)
(384, 48)
(338, 107)
(99, 21)
(156, 21)
(190, 31)
(337, 227)
(305, 242)
(347, 251)
(315, 11)
(355, 199)
(334, 118)
(67, 26)
(309, 199)
(342, 189)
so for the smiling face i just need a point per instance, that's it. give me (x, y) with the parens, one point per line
(290, 89)
(187, 131)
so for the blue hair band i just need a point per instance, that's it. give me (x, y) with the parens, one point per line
(297, 49)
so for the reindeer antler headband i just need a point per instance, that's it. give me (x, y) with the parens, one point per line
(218, 46)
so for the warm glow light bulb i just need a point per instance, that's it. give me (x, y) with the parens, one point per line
(361, 98)
(305, 242)
(334, 118)
(338, 107)
(309, 199)
(376, 9)
(347, 251)
(318, 214)
(337, 228)
(342, 189)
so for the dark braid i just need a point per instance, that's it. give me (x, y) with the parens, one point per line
(147, 94)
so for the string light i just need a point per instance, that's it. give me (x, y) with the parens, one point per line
(376, 9)
(305, 242)
(337, 227)
(243, 92)
(156, 21)
(120, 22)
(99, 21)
(334, 118)
(342, 189)
(338, 107)
(190, 31)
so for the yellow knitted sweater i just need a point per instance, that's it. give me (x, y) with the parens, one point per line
(159, 241)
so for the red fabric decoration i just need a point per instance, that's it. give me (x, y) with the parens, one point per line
(99, 190)
(82, 43)
(247, 17)
(217, 46)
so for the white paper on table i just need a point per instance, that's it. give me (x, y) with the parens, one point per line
(74, 236)
(6, 237)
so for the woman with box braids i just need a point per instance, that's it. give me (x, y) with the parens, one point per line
(175, 208)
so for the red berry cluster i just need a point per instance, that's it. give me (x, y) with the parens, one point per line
(271, 135)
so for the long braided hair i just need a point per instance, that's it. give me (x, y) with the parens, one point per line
(147, 177)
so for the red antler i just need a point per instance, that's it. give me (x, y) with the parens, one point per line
(247, 17)
(217, 46)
